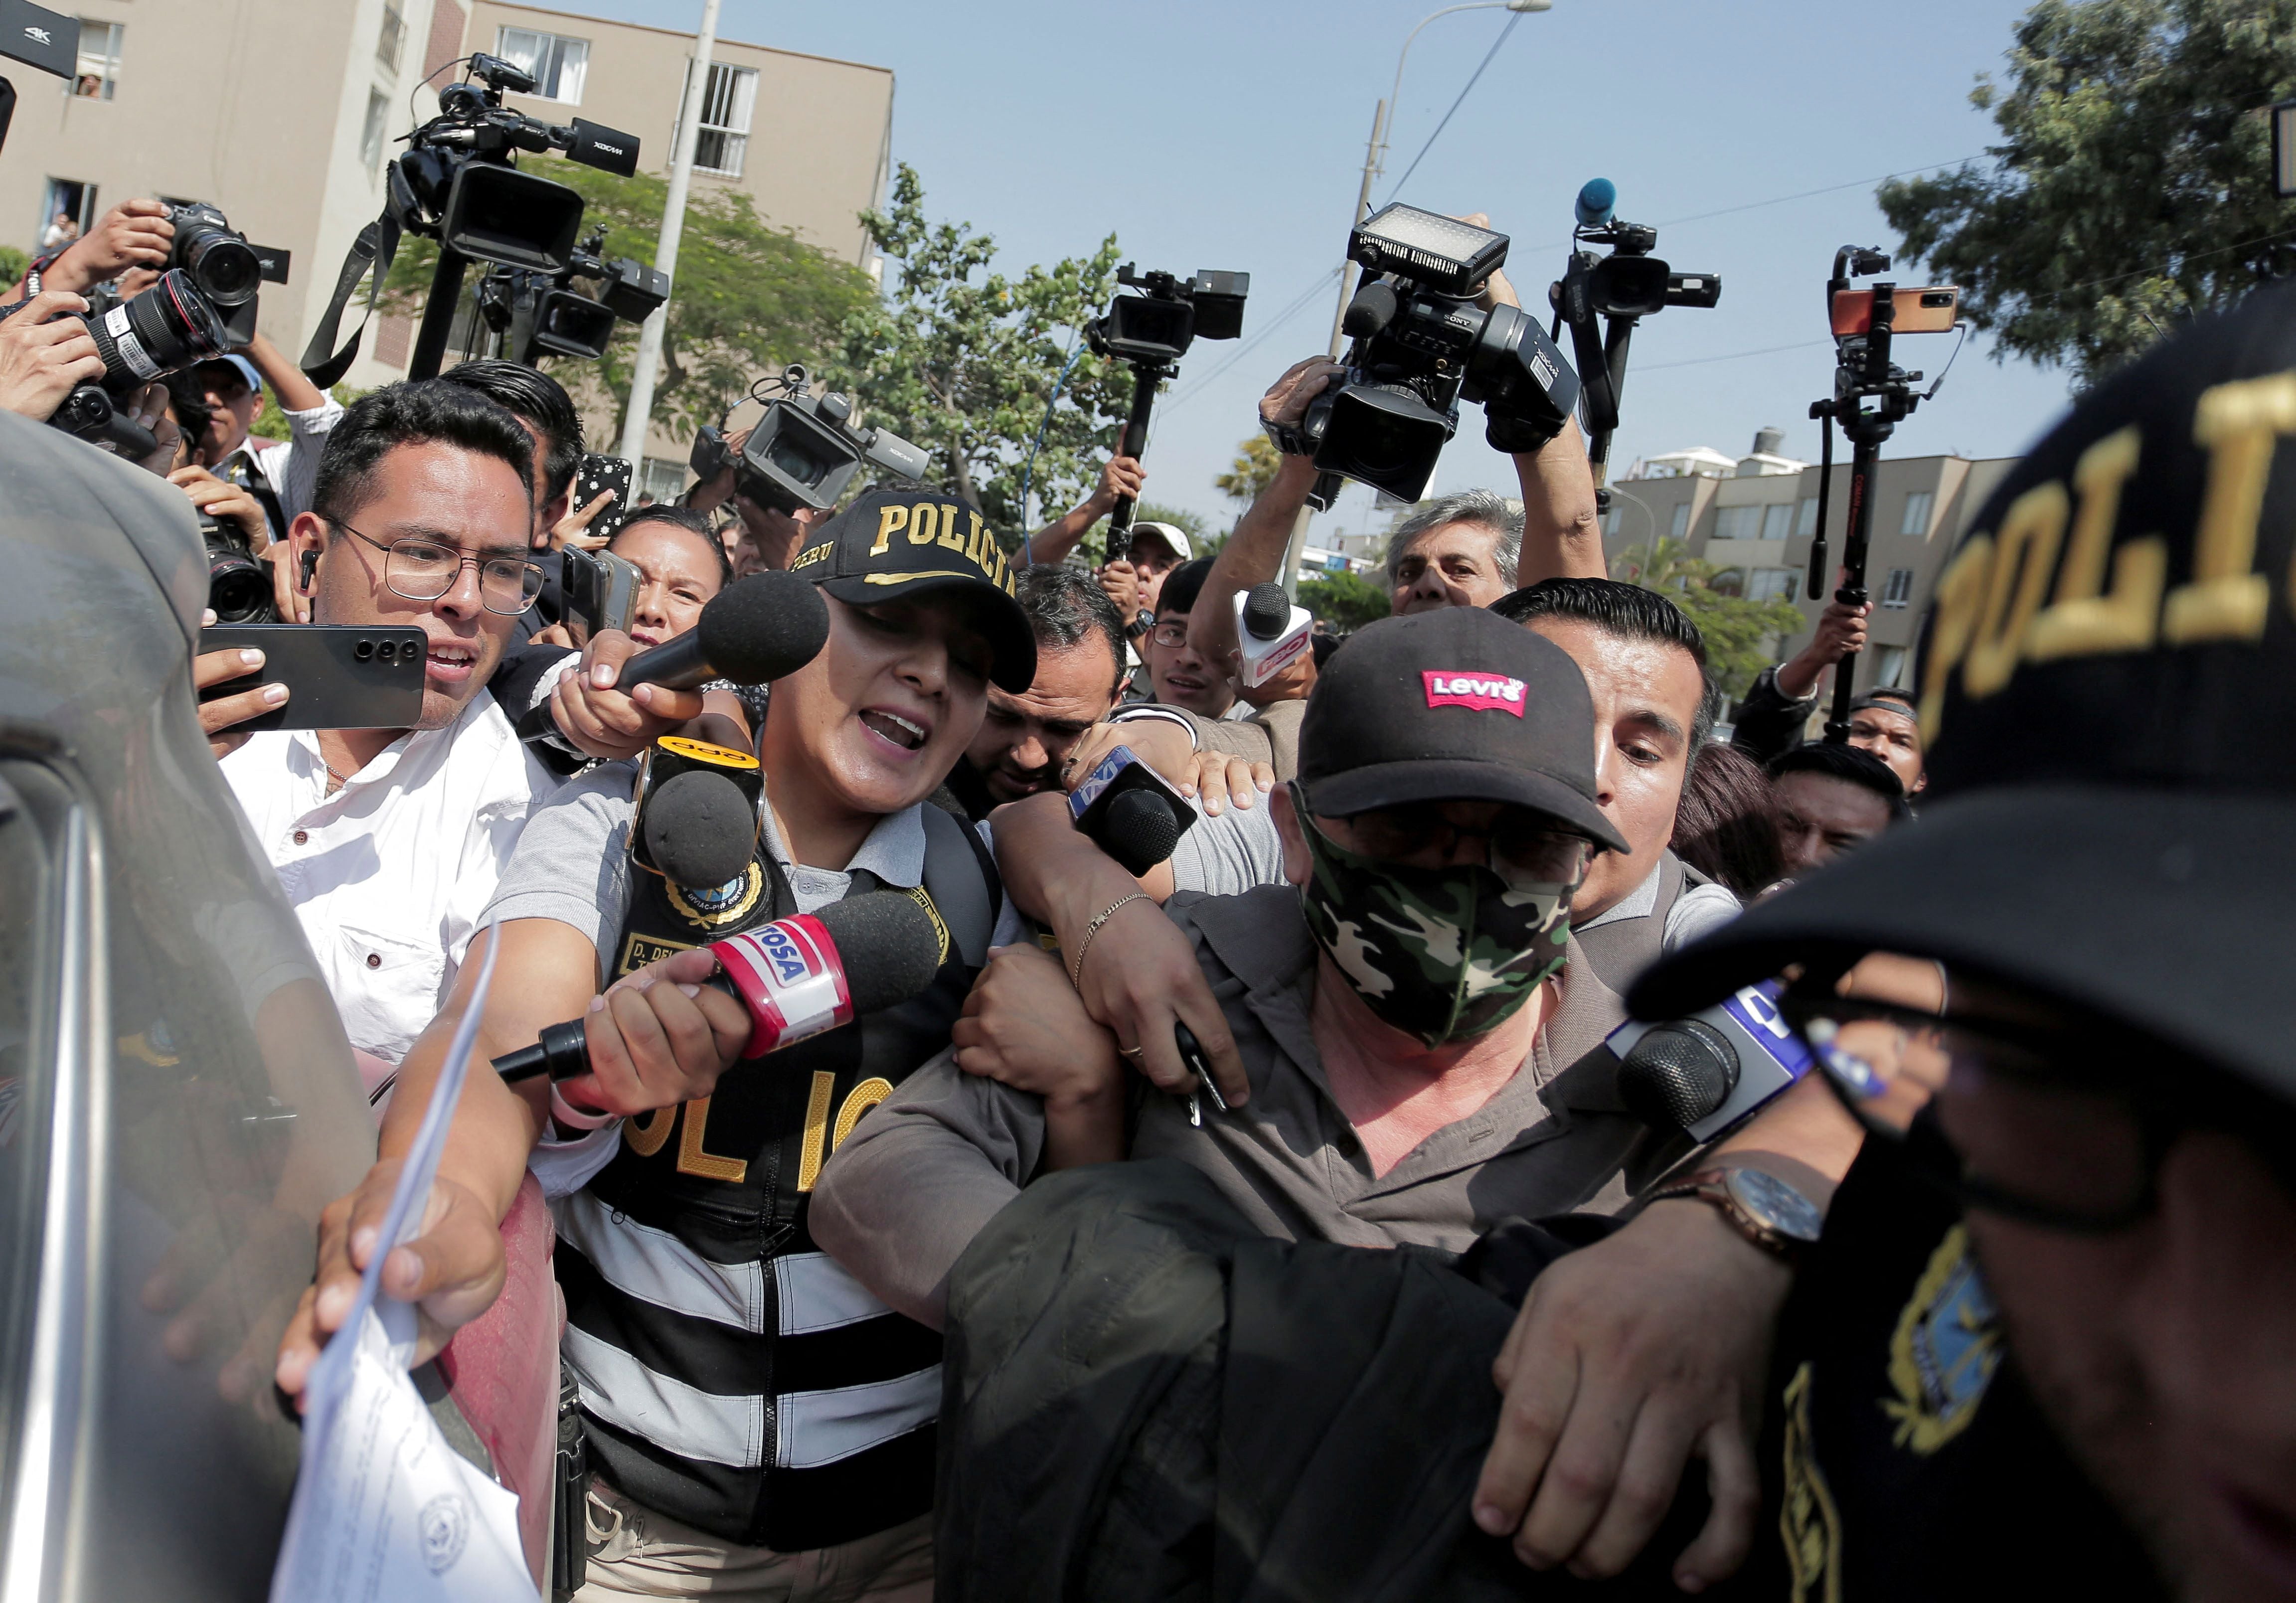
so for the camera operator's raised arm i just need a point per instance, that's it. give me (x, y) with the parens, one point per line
(1119, 478)
(1562, 534)
(133, 233)
(1254, 552)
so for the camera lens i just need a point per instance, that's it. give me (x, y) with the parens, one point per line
(239, 589)
(223, 266)
(792, 458)
(170, 327)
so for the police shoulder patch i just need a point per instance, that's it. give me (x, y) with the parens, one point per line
(1946, 1350)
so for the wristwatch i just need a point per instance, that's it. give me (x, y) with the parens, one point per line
(1759, 1207)
(1142, 622)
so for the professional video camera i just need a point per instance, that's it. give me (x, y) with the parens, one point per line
(1150, 333)
(541, 315)
(1420, 345)
(1623, 288)
(804, 451)
(168, 326)
(455, 185)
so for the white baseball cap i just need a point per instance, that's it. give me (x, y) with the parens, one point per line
(1173, 538)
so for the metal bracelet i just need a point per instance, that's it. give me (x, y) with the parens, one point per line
(1075, 969)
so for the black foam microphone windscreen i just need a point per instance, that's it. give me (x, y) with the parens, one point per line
(1139, 830)
(766, 626)
(1677, 1073)
(888, 945)
(698, 829)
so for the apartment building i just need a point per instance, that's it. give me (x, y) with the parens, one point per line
(285, 113)
(1755, 515)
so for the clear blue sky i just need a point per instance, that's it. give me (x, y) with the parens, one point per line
(1232, 135)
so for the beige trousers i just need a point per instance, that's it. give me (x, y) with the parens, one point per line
(636, 1552)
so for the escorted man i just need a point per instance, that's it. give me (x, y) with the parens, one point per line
(1391, 1036)
(2050, 1331)
(1832, 799)
(1025, 736)
(684, 1247)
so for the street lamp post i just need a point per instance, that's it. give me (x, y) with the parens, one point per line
(1374, 159)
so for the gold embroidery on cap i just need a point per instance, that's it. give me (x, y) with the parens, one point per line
(821, 552)
(2241, 424)
(2083, 620)
(924, 523)
(948, 535)
(2024, 555)
(891, 521)
(1959, 590)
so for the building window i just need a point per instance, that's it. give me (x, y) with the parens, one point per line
(662, 478)
(67, 208)
(1777, 520)
(1888, 668)
(724, 141)
(558, 63)
(1917, 514)
(1771, 585)
(371, 138)
(1805, 517)
(1680, 526)
(1738, 523)
(99, 60)
(393, 37)
(1899, 590)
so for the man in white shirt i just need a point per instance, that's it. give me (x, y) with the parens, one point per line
(388, 841)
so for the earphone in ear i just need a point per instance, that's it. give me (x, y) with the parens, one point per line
(310, 567)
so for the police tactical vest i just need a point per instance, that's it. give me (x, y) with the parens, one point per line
(733, 1375)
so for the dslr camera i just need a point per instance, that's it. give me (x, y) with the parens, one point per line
(170, 327)
(1420, 345)
(804, 451)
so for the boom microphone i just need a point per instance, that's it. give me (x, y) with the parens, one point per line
(797, 975)
(767, 625)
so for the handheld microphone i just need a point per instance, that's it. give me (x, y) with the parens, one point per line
(1130, 812)
(699, 829)
(767, 625)
(1709, 1071)
(1270, 632)
(797, 976)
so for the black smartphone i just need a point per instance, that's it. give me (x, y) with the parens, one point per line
(596, 476)
(337, 676)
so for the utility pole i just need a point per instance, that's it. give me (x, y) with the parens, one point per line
(665, 255)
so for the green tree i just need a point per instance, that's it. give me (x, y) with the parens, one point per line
(747, 299)
(1346, 601)
(1742, 635)
(2133, 184)
(1252, 471)
(961, 360)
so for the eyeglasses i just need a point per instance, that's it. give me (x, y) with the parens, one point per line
(423, 569)
(1174, 634)
(2057, 1127)
(1522, 847)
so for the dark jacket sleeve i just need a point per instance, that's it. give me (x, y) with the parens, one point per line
(1768, 721)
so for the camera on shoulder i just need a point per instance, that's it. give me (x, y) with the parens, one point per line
(805, 451)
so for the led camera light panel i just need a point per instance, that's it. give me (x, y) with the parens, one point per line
(1445, 254)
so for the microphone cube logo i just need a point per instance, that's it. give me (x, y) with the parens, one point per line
(788, 961)
(1478, 693)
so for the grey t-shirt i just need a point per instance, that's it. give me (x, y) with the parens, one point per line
(1229, 854)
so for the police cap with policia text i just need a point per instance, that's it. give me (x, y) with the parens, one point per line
(919, 544)
(2107, 683)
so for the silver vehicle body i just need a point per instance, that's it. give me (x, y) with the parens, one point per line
(177, 1098)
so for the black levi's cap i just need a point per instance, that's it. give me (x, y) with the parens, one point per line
(1455, 705)
(915, 545)
(2108, 697)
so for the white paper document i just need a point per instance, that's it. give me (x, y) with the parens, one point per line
(385, 1510)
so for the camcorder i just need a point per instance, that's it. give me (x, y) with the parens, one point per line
(168, 327)
(542, 314)
(455, 183)
(1621, 289)
(1150, 331)
(1420, 345)
(804, 451)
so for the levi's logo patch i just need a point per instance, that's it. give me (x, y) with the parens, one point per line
(1478, 691)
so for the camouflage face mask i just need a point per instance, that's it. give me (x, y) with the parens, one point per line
(1441, 954)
